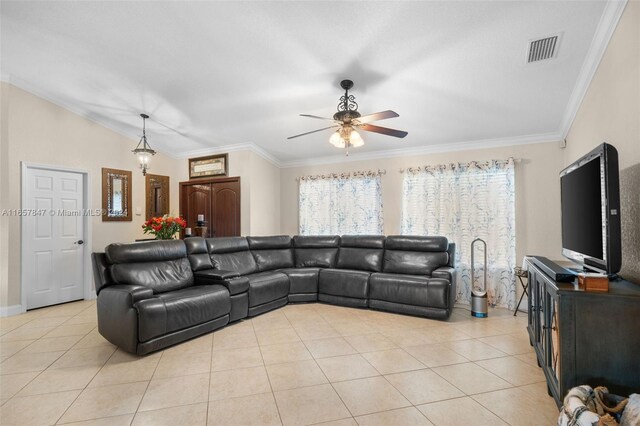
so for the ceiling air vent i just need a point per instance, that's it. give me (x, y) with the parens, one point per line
(541, 49)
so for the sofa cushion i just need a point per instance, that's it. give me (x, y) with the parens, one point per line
(271, 253)
(302, 280)
(361, 252)
(159, 265)
(101, 274)
(415, 255)
(416, 243)
(231, 254)
(146, 251)
(316, 251)
(270, 242)
(266, 287)
(413, 262)
(344, 282)
(362, 241)
(410, 290)
(198, 253)
(227, 244)
(180, 309)
(160, 277)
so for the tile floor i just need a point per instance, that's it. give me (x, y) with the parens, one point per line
(299, 365)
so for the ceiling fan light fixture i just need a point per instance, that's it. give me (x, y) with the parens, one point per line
(355, 140)
(347, 119)
(336, 140)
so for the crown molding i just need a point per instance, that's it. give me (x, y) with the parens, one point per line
(23, 85)
(358, 156)
(606, 27)
(427, 149)
(29, 88)
(231, 148)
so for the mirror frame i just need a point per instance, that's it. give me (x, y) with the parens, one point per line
(107, 194)
(163, 183)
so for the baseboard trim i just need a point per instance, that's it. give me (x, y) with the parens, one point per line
(8, 311)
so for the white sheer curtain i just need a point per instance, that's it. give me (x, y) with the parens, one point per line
(464, 202)
(341, 204)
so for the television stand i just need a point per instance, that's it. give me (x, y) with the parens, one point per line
(584, 338)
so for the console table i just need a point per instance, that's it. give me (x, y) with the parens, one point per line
(583, 337)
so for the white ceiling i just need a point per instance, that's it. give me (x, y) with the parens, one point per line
(229, 73)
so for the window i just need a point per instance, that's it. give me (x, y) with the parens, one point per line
(463, 202)
(341, 204)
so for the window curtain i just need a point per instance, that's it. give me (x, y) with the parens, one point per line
(339, 204)
(464, 202)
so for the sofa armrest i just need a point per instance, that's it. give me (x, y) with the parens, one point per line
(117, 316)
(214, 276)
(446, 272)
(230, 279)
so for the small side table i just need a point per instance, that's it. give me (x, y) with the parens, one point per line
(200, 231)
(521, 273)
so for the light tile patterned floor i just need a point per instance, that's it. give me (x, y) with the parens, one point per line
(302, 364)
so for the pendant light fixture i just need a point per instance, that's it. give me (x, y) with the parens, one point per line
(145, 152)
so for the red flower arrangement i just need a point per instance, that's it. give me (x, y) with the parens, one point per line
(165, 227)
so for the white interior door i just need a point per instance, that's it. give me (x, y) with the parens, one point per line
(53, 233)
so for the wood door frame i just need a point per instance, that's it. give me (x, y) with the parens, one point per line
(201, 181)
(89, 293)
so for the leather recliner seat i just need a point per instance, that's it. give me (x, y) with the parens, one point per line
(148, 299)
(232, 253)
(348, 283)
(311, 253)
(416, 277)
(268, 287)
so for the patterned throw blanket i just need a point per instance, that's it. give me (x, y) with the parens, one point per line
(584, 406)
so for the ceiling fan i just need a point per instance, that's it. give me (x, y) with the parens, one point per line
(348, 121)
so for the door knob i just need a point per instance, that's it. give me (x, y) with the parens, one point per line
(79, 242)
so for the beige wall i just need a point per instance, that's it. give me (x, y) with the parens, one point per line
(265, 197)
(4, 194)
(34, 130)
(537, 191)
(41, 132)
(38, 131)
(610, 112)
(260, 192)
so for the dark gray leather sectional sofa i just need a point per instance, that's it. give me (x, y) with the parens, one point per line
(154, 294)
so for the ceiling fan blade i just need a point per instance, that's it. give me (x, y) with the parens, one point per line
(377, 116)
(314, 131)
(315, 116)
(383, 130)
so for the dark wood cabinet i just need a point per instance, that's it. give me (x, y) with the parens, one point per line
(217, 199)
(584, 337)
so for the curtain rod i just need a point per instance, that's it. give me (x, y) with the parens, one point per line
(460, 165)
(378, 172)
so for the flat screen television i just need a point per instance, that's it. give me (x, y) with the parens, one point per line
(590, 203)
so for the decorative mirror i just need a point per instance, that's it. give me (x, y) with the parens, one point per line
(157, 195)
(116, 195)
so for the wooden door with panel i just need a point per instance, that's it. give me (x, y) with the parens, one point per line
(195, 200)
(225, 208)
